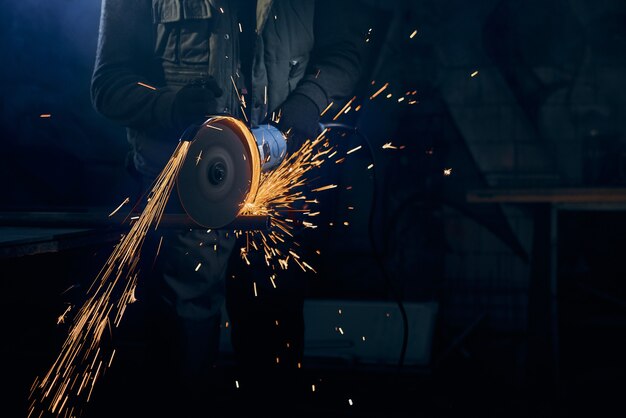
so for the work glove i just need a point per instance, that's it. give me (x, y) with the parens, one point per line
(299, 120)
(194, 102)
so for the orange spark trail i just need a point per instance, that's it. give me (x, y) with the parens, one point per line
(73, 375)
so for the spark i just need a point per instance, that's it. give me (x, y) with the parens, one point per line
(61, 318)
(73, 375)
(120, 206)
(45, 116)
(346, 223)
(447, 172)
(389, 96)
(350, 402)
(240, 29)
(321, 189)
(373, 96)
(327, 107)
(369, 167)
(354, 149)
(208, 125)
(413, 34)
(148, 86)
(198, 266)
(221, 10)
(255, 291)
(400, 99)
(389, 145)
(363, 338)
(474, 74)
(237, 384)
(346, 106)
(313, 388)
(199, 157)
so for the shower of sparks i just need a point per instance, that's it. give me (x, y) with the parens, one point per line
(280, 191)
(82, 361)
(148, 86)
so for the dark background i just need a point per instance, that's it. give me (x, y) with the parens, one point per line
(546, 109)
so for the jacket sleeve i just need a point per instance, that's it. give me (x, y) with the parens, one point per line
(339, 52)
(123, 59)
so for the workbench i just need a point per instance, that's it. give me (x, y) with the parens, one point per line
(545, 205)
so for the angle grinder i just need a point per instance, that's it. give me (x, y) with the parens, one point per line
(223, 167)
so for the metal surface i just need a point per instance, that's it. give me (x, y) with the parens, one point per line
(220, 174)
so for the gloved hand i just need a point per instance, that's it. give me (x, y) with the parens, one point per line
(299, 120)
(194, 102)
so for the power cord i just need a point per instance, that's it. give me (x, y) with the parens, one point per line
(378, 253)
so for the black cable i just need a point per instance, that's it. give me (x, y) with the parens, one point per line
(378, 254)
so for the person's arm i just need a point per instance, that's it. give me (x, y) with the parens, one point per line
(335, 67)
(339, 51)
(123, 59)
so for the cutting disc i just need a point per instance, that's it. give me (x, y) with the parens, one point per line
(220, 174)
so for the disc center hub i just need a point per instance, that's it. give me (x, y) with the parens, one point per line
(217, 172)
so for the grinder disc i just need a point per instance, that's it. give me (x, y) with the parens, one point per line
(220, 174)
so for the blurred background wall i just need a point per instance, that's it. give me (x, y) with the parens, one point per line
(508, 94)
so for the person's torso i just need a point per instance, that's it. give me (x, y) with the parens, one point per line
(195, 39)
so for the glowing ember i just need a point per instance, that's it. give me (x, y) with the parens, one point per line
(379, 91)
(148, 86)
